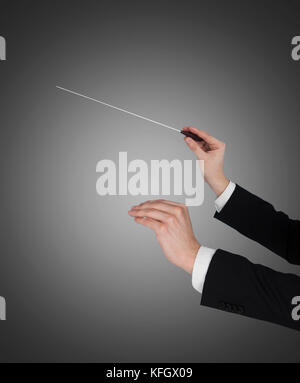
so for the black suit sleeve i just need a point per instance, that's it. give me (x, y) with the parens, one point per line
(236, 285)
(258, 220)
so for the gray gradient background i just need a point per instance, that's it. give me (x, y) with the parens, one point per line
(83, 283)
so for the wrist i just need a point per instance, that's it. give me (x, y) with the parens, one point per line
(190, 259)
(218, 185)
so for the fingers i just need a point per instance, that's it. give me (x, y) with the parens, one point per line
(210, 140)
(164, 206)
(168, 202)
(142, 212)
(158, 215)
(150, 217)
(196, 148)
(164, 201)
(149, 222)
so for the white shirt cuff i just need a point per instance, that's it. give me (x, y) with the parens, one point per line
(225, 197)
(201, 266)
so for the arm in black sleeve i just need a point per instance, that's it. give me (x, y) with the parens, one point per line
(236, 285)
(258, 220)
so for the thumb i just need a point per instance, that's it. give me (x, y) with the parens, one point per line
(195, 148)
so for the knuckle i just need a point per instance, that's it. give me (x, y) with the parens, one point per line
(171, 219)
(163, 230)
(204, 133)
(179, 211)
